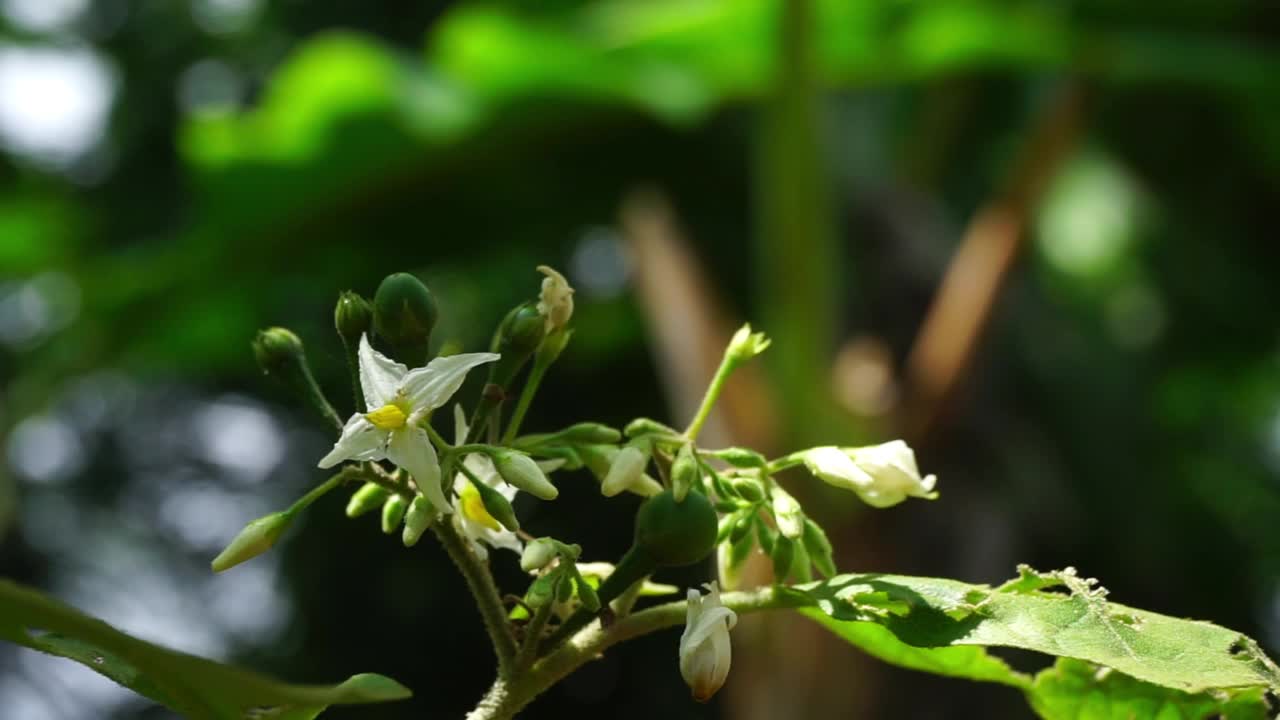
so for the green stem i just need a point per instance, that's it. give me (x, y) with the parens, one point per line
(539, 369)
(727, 365)
(488, 600)
(785, 462)
(312, 390)
(508, 696)
(353, 367)
(318, 492)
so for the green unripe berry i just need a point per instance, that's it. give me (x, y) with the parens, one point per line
(676, 533)
(404, 313)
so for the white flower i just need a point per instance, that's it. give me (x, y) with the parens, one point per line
(704, 646)
(555, 302)
(398, 400)
(472, 520)
(882, 475)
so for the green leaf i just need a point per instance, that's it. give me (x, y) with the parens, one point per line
(930, 624)
(1075, 690)
(195, 687)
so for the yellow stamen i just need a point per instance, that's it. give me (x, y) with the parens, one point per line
(473, 508)
(388, 417)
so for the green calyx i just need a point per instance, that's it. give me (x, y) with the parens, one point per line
(675, 532)
(352, 317)
(404, 313)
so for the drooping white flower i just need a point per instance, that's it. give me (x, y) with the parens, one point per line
(472, 520)
(704, 646)
(555, 302)
(882, 475)
(398, 399)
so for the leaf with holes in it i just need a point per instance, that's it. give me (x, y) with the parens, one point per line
(198, 688)
(931, 613)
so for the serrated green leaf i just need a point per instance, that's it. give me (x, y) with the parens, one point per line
(195, 687)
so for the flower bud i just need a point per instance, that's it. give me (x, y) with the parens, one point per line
(521, 471)
(819, 548)
(589, 433)
(497, 506)
(647, 426)
(745, 345)
(280, 354)
(787, 513)
(538, 554)
(881, 475)
(393, 511)
(586, 593)
(352, 317)
(555, 303)
(416, 520)
(685, 473)
(748, 488)
(705, 650)
(783, 554)
(741, 457)
(256, 538)
(517, 337)
(404, 313)
(369, 497)
(625, 471)
(676, 533)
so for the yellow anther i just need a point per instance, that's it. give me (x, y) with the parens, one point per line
(473, 508)
(388, 417)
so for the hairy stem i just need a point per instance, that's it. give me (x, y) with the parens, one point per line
(533, 637)
(482, 587)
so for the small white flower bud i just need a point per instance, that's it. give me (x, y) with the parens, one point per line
(704, 646)
(523, 472)
(625, 472)
(555, 303)
(538, 554)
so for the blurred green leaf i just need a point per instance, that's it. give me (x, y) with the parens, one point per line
(196, 687)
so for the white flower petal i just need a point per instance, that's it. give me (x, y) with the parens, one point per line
(411, 449)
(380, 376)
(460, 429)
(836, 468)
(360, 440)
(431, 387)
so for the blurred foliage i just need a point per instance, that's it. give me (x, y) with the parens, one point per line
(1122, 417)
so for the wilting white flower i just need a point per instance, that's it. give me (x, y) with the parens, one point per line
(882, 475)
(704, 646)
(398, 399)
(555, 302)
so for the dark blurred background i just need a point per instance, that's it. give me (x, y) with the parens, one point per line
(1037, 239)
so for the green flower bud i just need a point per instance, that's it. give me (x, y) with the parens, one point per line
(352, 317)
(538, 554)
(521, 471)
(748, 488)
(647, 426)
(742, 526)
(783, 555)
(588, 433)
(393, 511)
(819, 548)
(676, 533)
(369, 497)
(586, 593)
(543, 590)
(517, 337)
(256, 538)
(416, 520)
(404, 313)
(685, 472)
(498, 507)
(278, 351)
(787, 513)
(741, 457)
(280, 354)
